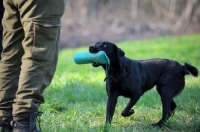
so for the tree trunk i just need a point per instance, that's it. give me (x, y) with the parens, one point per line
(186, 15)
(134, 9)
(172, 9)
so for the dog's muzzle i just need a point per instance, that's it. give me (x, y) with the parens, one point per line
(93, 49)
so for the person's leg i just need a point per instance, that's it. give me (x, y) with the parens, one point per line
(4, 121)
(1, 31)
(10, 62)
(41, 26)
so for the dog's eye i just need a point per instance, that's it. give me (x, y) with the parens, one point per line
(105, 46)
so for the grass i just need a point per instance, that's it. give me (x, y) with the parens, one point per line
(76, 98)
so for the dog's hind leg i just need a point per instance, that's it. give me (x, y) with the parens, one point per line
(128, 111)
(168, 105)
(172, 108)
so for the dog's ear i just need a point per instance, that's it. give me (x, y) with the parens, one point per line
(118, 52)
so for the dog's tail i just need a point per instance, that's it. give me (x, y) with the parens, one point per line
(189, 69)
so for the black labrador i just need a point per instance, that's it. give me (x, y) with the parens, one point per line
(132, 78)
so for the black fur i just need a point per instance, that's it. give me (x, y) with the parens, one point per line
(132, 78)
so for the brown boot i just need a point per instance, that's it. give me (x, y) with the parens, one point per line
(5, 124)
(25, 122)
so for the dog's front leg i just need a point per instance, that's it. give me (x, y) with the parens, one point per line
(128, 111)
(111, 103)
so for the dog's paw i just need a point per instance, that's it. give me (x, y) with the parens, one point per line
(126, 114)
(159, 124)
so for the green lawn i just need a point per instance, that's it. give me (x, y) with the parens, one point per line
(76, 98)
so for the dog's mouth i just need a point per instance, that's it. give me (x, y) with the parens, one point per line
(96, 64)
(94, 49)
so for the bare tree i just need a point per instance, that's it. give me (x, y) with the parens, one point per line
(134, 9)
(172, 9)
(186, 15)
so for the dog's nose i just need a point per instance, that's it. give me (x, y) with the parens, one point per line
(91, 47)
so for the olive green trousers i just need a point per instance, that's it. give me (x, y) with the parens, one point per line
(30, 50)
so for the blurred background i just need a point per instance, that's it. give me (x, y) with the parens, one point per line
(87, 21)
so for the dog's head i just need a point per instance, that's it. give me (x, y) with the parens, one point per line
(111, 50)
